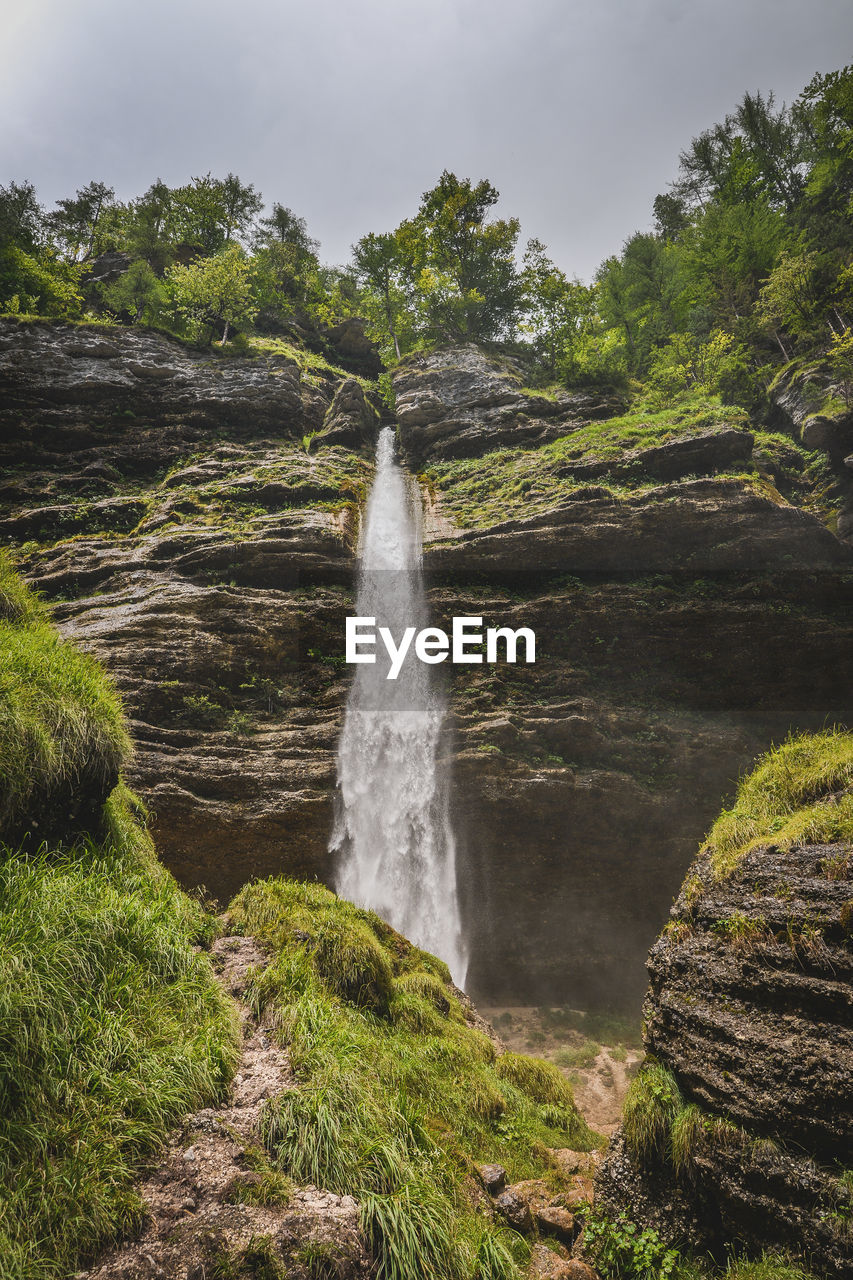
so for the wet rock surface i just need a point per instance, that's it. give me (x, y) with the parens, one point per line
(194, 528)
(751, 1008)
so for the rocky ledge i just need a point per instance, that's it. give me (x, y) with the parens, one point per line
(458, 402)
(742, 1131)
(193, 519)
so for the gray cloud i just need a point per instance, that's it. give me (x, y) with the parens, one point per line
(347, 110)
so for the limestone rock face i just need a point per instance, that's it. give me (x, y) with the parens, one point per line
(750, 1006)
(459, 402)
(166, 505)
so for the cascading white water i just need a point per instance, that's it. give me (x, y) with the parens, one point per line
(392, 835)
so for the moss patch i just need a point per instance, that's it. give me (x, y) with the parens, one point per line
(398, 1096)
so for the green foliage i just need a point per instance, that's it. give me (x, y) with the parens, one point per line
(137, 292)
(798, 793)
(577, 1056)
(113, 1028)
(539, 1080)
(62, 734)
(621, 1251)
(396, 1094)
(214, 292)
(651, 1104)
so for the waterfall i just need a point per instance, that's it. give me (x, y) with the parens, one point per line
(392, 833)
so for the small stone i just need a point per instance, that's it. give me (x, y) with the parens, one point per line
(189, 1154)
(515, 1210)
(577, 1270)
(554, 1221)
(493, 1177)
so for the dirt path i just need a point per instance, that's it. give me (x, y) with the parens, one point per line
(599, 1056)
(213, 1197)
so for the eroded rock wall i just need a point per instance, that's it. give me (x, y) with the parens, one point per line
(194, 520)
(750, 1007)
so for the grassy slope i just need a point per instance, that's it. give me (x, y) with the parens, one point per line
(514, 483)
(799, 793)
(111, 1025)
(397, 1096)
(61, 727)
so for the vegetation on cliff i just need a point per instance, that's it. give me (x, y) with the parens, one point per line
(398, 1095)
(799, 793)
(731, 1142)
(112, 1025)
(748, 265)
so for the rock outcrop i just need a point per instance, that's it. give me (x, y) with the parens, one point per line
(750, 1009)
(459, 402)
(193, 519)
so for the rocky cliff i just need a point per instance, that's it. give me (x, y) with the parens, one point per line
(740, 1129)
(193, 519)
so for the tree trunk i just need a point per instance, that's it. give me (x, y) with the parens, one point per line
(224, 334)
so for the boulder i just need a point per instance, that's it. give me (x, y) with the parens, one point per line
(493, 1177)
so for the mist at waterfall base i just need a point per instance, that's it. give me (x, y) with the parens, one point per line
(392, 839)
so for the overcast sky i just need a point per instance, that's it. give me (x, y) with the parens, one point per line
(347, 110)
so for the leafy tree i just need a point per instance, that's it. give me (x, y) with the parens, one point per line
(148, 229)
(378, 263)
(21, 216)
(75, 221)
(137, 292)
(841, 363)
(216, 291)
(287, 266)
(209, 212)
(717, 365)
(240, 204)
(559, 311)
(457, 266)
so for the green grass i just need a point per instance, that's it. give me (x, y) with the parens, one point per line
(477, 492)
(111, 1029)
(577, 1056)
(799, 793)
(397, 1096)
(62, 733)
(652, 1103)
(112, 1026)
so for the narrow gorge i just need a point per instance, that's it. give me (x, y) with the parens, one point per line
(194, 522)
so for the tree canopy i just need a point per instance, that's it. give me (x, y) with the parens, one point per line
(748, 260)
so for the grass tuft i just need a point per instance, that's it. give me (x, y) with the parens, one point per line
(651, 1105)
(395, 1105)
(799, 793)
(62, 734)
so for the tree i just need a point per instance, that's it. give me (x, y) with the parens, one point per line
(240, 204)
(21, 216)
(214, 291)
(287, 266)
(377, 263)
(558, 311)
(458, 267)
(208, 213)
(138, 292)
(75, 221)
